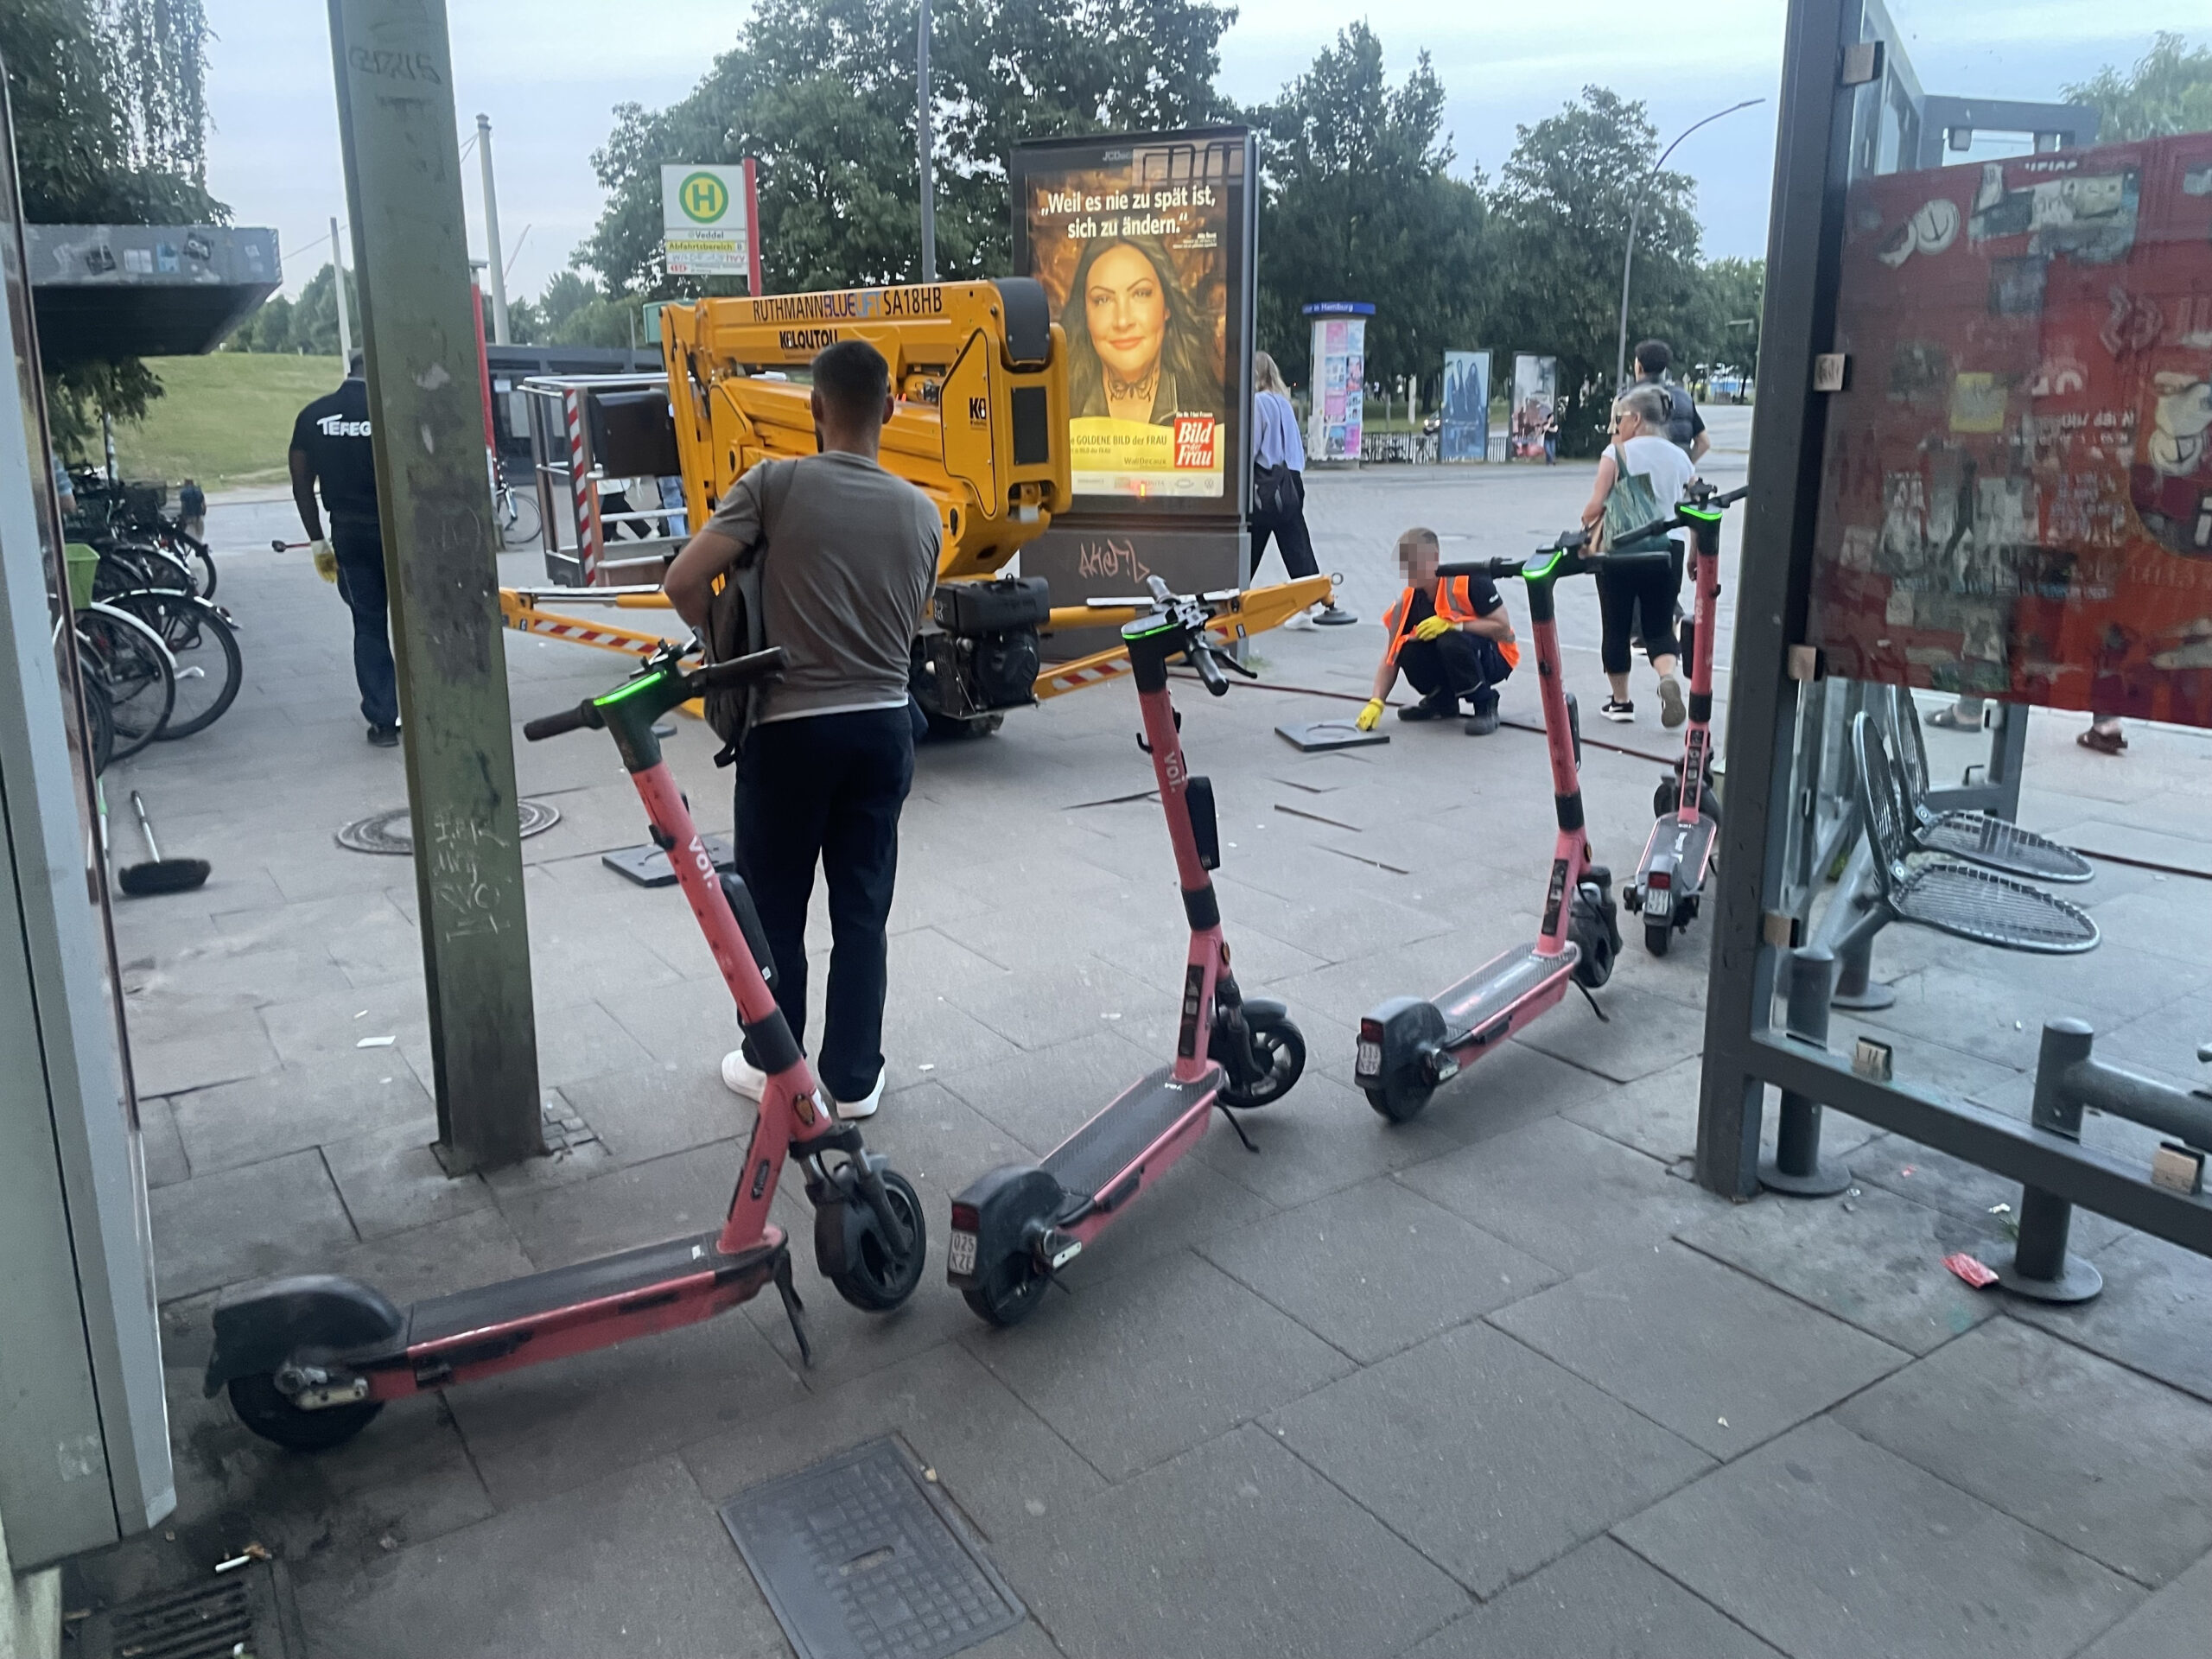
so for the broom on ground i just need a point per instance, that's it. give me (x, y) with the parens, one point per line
(159, 875)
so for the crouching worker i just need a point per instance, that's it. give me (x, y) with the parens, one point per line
(1451, 639)
(848, 561)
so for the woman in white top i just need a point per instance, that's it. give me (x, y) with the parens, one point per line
(1278, 486)
(1640, 447)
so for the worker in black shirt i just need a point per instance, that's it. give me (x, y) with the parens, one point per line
(330, 447)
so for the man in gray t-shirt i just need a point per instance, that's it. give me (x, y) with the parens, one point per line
(849, 561)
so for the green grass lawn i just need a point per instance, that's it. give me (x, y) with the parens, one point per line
(224, 419)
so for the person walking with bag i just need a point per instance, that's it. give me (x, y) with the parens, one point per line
(1641, 477)
(1279, 486)
(845, 555)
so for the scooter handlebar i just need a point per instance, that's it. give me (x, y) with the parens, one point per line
(569, 719)
(722, 677)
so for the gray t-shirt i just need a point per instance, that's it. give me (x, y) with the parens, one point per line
(850, 563)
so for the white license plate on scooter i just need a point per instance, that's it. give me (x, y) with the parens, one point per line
(960, 1255)
(1370, 1063)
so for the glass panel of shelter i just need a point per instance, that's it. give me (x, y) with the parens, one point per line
(2000, 810)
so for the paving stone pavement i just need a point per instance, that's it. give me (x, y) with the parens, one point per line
(1500, 1380)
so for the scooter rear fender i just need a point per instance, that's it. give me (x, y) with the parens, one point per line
(258, 1327)
(1412, 1039)
(1012, 1204)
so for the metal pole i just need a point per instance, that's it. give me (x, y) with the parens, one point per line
(338, 274)
(492, 232)
(1636, 216)
(419, 323)
(922, 144)
(1796, 1168)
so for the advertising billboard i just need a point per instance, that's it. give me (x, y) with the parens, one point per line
(1142, 244)
(2016, 499)
(1337, 425)
(707, 216)
(1464, 433)
(1535, 396)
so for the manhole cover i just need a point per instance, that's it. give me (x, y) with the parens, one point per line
(389, 832)
(860, 1555)
(243, 1611)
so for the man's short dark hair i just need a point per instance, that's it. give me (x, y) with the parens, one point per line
(853, 379)
(1654, 357)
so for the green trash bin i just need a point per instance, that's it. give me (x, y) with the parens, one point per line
(84, 563)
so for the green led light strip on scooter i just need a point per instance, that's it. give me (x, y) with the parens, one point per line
(630, 689)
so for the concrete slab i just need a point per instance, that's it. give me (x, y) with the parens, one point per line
(1141, 1368)
(1927, 1176)
(1042, 1097)
(295, 1107)
(1255, 1530)
(1643, 1031)
(391, 1181)
(2096, 1456)
(1377, 1268)
(1564, 1195)
(265, 1218)
(2170, 1626)
(1714, 1355)
(2155, 1315)
(166, 1162)
(182, 1043)
(685, 1193)
(1601, 1602)
(1483, 1455)
(636, 1562)
(1825, 1544)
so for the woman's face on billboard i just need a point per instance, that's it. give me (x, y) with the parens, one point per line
(1128, 313)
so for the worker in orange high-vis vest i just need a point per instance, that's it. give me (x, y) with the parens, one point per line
(1452, 639)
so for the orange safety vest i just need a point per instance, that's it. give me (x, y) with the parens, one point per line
(1455, 604)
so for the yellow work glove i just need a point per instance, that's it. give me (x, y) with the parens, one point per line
(1369, 715)
(326, 561)
(1430, 627)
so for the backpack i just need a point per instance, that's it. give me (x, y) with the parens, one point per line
(1630, 506)
(735, 624)
(1682, 416)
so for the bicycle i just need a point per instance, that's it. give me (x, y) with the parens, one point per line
(515, 512)
(203, 650)
(133, 665)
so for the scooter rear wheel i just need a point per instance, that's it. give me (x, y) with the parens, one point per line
(1399, 1102)
(1657, 935)
(1282, 1047)
(262, 1407)
(1009, 1292)
(876, 1278)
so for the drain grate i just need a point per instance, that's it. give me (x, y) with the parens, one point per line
(390, 832)
(238, 1613)
(861, 1555)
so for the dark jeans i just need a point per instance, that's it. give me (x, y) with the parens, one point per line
(360, 548)
(1455, 665)
(1649, 586)
(828, 788)
(1288, 528)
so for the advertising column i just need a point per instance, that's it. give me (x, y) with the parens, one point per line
(1464, 432)
(1144, 244)
(1337, 426)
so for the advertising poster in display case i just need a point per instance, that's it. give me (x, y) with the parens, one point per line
(1463, 432)
(1336, 427)
(2015, 497)
(1535, 393)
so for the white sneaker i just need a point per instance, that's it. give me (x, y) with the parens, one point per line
(1303, 620)
(848, 1110)
(740, 1077)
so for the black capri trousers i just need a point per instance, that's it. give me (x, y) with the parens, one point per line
(1637, 601)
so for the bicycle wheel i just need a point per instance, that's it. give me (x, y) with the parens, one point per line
(100, 718)
(133, 664)
(191, 552)
(204, 650)
(521, 528)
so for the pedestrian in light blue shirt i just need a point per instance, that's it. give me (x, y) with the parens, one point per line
(1278, 486)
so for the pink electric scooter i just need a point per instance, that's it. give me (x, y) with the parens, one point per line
(309, 1360)
(1013, 1227)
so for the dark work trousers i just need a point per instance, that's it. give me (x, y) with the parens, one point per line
(1637, 601)
(827, 787)
(359, 548)
(1289, 530)
(1455, 665)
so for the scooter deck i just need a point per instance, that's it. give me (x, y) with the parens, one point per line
(1690, 845)
(1489, 994)
(649, 1266)
(1091, 1159)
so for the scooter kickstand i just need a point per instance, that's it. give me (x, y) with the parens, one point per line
(793, 1308)
(1593, 1001)
(1235, 1125)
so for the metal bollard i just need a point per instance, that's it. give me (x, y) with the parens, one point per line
(1855, 989)
(2041, 1268)
(1795, 1169)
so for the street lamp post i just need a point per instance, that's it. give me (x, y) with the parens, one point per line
(1636, 216)
(922, 144)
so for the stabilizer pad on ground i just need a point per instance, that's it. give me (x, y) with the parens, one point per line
(1314, 736)
(648, 867)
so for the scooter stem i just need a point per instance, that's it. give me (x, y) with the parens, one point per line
(1571, 854)
(1149, 657)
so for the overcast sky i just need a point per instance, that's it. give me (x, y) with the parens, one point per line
(548, 71)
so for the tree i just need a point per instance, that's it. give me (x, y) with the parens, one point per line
(2169, 91)
(1564, 201)
(1358, 203)
(821, 93)
(315, 314)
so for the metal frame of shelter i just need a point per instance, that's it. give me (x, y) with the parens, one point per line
(1834, 74)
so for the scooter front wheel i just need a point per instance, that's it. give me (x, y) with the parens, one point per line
(1009, 1292)
(877, 1278)
(1281, 1049)
(262, 1407)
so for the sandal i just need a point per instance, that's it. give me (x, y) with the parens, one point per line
(1947, 719)
(2102, 742)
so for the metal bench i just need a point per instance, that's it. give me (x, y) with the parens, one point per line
(1978, 837)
